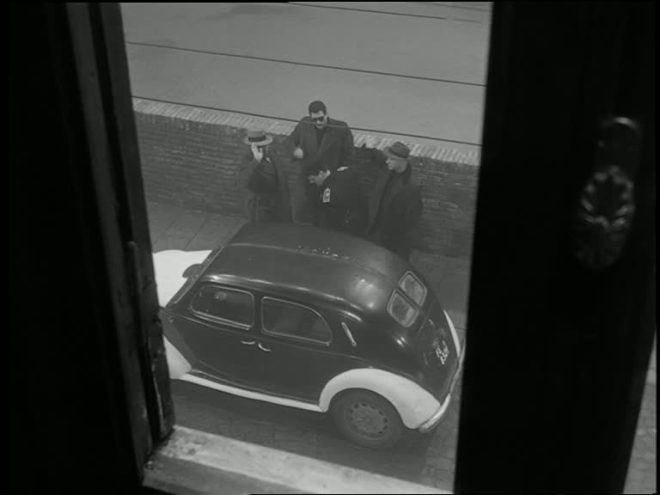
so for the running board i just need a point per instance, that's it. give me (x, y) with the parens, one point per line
(248, 394)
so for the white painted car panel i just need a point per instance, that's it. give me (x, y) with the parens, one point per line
(177, 365)
(414, 404)
(169, 267)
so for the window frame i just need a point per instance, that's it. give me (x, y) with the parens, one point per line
(96, 98)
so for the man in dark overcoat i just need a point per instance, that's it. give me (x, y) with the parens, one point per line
(395, 205)
(265, 182)
(317, 140)
(340, 201)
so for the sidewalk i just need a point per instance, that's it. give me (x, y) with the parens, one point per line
(174, 227)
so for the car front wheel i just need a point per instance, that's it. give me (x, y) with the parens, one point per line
(367, 419)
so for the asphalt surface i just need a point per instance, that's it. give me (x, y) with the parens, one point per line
(400, 68)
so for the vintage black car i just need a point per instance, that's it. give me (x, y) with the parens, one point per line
(312, 319)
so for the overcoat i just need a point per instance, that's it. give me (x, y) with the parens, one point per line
(397, 229)
(267, 190)
(341, 202)
(333, 152)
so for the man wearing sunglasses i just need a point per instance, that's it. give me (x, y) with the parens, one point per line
(317, 140)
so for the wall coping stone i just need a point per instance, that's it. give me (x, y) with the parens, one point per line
(284, 128)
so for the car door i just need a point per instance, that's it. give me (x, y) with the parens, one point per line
(299, 351)
(217, 324)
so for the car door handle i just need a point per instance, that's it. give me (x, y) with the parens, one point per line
(248, 342)
(263, 348)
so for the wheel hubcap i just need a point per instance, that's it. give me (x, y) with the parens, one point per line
(367, 419)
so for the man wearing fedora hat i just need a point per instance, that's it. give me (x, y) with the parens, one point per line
(268, 190)
(395, 205)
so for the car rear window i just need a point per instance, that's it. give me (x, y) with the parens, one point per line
(292, 320)
(402, 310)
(413, 288)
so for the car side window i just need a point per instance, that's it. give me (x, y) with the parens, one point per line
(292, 320)
(226, 304)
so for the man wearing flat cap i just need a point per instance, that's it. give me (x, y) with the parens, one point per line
(395, 205)
(268, 191)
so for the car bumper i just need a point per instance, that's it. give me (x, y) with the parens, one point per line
(434, 420)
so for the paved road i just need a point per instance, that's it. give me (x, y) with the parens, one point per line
(426, 459)
(273, 59)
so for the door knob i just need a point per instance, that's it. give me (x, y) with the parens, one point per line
(606, 206)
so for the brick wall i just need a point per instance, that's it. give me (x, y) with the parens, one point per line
(190, 158)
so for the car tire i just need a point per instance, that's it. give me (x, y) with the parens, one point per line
(367, 419)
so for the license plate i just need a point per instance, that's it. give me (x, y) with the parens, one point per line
(441, 350)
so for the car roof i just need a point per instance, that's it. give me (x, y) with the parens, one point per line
(306, 260)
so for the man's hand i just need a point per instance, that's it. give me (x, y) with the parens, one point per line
(298, 153)
(257, 153)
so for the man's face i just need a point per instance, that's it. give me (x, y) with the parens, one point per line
(320, 119)
(396, 164)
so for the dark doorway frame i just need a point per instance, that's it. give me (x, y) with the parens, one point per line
(557, 354)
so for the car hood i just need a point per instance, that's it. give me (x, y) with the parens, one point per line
(170, 266)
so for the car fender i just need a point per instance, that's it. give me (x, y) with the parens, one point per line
(414, 404)
(170, 267)
(177, 365)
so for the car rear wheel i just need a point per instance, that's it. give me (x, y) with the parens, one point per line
(367, 419)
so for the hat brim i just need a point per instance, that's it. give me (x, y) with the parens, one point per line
(389, 154)
(264, 142)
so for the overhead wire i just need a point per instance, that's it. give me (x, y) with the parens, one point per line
(385, 12)
(305, 64)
